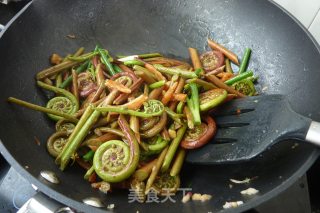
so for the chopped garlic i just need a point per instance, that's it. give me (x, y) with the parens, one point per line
(186, 198)
(205, 197)
(196, 196)
(247, 180)
(201, 197)
(232, 204)
(249, 191)
(111, 206)
(104, 187)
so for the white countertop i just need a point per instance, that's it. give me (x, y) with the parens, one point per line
(307, 12)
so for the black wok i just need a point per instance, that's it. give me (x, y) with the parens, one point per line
(285, 57)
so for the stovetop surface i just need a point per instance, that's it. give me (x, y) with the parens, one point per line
(14, 191)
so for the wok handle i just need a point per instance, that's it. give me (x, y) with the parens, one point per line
(313, 134)
(40, 203)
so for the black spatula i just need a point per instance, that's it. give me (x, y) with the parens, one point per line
(246, 127)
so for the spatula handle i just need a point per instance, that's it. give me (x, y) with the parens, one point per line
(313, 134)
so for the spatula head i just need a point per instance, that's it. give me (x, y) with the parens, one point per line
(246, 127)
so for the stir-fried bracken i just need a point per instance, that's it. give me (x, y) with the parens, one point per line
(129, 121)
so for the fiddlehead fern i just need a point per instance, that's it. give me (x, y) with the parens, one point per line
(62, 104)
(66, 103)
(56, 142)
(156, 128)
(65, 126)
(154, 145)
(165, 184)
(151, 108)
(86, 84)
(148, 123)
(114, 160)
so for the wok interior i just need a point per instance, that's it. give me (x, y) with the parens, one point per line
(285, 64)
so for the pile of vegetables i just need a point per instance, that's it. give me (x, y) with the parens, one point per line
(129, 120)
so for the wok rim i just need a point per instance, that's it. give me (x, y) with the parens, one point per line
(80, 206)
